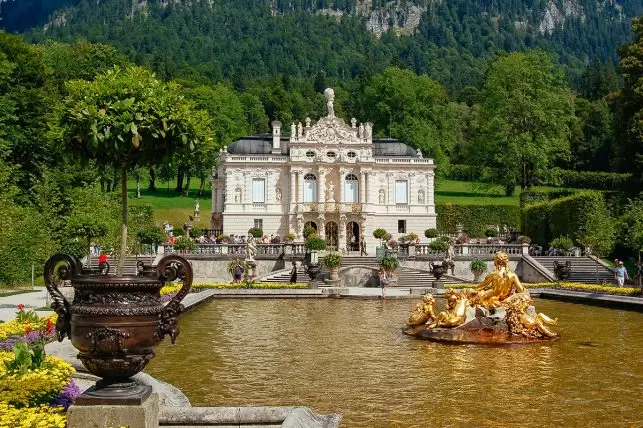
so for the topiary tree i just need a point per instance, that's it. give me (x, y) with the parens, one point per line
(126, 118)
(380, 233)
(315, 243)
(491, 233)
(152, 236)
(88, 227)
(431, 233)
(390, 263)
(255, 232)
(185, 243)
(440, 245)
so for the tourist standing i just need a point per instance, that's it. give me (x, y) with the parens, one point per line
(293, 273)
(362, 247)
(238, 272)
(620, 274)
(383, 280)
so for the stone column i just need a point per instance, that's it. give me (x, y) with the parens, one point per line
(430, 196)
(342, 193)
(321, 188)
(300, 186)
(362, 187)
(390, 200)
(293, 190)
(246, 196)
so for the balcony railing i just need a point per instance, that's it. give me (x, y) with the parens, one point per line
(331, 207)
(473, 249)
(267, 251)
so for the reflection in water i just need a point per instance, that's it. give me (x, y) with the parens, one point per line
(350, 357)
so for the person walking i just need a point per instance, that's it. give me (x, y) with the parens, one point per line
(620, 274)
(383, 280)
(293, 273)
(362, 247)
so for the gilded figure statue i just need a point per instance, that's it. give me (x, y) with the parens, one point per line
(456, 312)
(423, 312)
(519, 322)
(500, 284)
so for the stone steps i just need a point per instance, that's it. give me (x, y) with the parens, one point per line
(130, 267)
(583, 269)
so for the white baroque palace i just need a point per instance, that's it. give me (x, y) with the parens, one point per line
(329, 175)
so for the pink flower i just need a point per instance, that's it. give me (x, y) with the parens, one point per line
(21, 307)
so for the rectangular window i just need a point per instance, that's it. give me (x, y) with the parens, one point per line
(310, 190)
(401, 226)
(259, 223)
(258, 191)
(350, 191)
(401, 194)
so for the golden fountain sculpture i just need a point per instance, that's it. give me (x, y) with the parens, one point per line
(499, 310)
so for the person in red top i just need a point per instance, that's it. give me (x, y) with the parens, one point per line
(102, 258)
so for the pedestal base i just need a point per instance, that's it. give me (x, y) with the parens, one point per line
(438, 284)
(145, 415)
(114, 394)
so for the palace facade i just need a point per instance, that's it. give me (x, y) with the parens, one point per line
(329, 175)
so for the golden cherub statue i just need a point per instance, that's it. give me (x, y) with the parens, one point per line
(456, 312)
(499, 284)
(520, 322)
(423, 312)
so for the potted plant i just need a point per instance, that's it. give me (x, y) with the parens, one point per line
(478, 267)
(332, 261)
(255, 232)
(184, 244)
(431, 233)
(309, 231)
(440, 245)
(390, 264)
(563, 243)
(125, 119)
(290, 238)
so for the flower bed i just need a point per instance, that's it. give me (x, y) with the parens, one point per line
(260, 285)
(35, 389)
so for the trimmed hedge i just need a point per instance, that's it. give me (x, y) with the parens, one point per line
(588, 179)
(475, 218)
(582, 216)
(534, 196)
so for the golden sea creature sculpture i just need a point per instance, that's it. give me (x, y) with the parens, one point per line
(499, 284)
(520, 322)
(456, 311)
(422, 312)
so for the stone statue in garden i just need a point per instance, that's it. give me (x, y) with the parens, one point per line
(251, 249)
(329, 94)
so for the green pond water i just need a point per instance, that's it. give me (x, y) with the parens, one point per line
(350, 357)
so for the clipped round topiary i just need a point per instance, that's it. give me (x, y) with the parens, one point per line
(562, 243)
(184, 243)
(439, 245)
(315, 243)
(491, 233)
(431, 233)
(380, 233)
(255, 232)
(332, 260)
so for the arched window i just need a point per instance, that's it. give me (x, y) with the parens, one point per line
(310, 188)
(351, 189)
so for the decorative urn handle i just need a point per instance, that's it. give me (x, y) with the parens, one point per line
(59, 268)
(171, 268)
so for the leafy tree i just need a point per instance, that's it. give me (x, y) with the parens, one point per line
(127, 118)
(524, 119)
(630, 147)
(632, 225)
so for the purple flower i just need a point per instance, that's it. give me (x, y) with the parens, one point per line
(167, 297)
(28, 338)
(67, 395)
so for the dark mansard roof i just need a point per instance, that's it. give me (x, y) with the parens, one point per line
(262, 145)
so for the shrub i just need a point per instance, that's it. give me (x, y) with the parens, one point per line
(309, 231)
(491, 233)
(255, 232)
(439, 245)
(260, 285)
(390, 263)
(332, 260)
(410, 238)
(150, 236)
(184, 243)
(315, 243)
(478, 266)
(475, 218)
(535, 196)
(563, 243)
(380, 233)
(431, 233)
(290, 237)
(608, 289)
(596, 180)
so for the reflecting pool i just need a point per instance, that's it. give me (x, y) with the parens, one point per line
(350, 357)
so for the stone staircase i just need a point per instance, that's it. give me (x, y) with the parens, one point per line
(584, 269)
(407, 277)
(130, 264)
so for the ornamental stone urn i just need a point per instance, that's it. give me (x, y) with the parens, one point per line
(562, 271)
(116, 321)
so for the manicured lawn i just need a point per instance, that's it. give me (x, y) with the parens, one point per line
(9, 292)
(171, 206)
(472, 193)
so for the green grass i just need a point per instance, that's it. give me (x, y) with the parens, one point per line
(472, 193)
(7, 293)
(172, 206)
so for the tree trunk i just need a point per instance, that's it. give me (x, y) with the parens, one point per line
(121, 256)
(102, 184)
(179, 180)
(201, 186)
(186, 190)
(152, 186)
(138, 183)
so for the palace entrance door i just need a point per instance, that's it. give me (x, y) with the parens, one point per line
(332, 233)
(352, 236)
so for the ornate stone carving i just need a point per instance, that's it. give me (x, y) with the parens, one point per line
(331, 130)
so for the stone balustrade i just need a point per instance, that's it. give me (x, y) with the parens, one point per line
(238, 250)
(423, 250)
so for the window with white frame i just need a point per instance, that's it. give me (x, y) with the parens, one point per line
(258, 191)
(310, 188)
(351, 189)
(401, 192)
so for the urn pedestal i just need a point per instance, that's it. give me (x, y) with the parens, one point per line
(116, 321)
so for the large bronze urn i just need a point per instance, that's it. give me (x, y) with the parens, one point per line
(116, 321)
